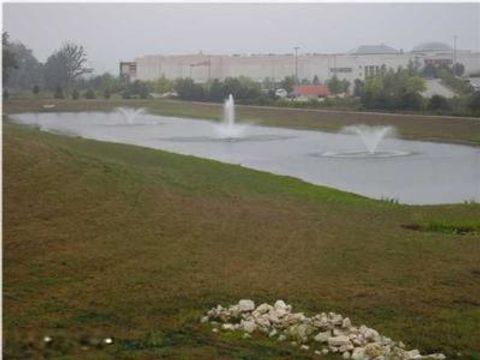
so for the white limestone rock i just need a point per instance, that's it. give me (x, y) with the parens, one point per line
(248, 326)
(323, 337)
(246, 305)
(337, 341)
(359, 354)
(346, 323)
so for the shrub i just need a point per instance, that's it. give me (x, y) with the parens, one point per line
(107, 94)
(438, 102)
(59, 93)
(75, 94)
(126, 94)
(474, 102)
(5, 94)
(36, 89)
(90, 94)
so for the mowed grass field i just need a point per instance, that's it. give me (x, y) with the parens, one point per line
(108, 240)
(412, 127)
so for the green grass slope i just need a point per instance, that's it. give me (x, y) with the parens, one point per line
(105, 239)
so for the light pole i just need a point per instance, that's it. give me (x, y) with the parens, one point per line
(191, 67)
(454, 50)
(296, 63)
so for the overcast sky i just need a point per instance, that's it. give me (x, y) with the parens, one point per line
(114, 32)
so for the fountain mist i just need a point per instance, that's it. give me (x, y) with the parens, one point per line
(130, 114)
(371, 136)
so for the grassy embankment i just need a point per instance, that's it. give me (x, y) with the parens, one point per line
(412, 127)
(105, 240)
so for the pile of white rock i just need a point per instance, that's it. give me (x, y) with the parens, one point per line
(323, 333)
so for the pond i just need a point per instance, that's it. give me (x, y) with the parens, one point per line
(411, 172)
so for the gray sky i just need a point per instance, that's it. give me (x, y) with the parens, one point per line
(113, 32)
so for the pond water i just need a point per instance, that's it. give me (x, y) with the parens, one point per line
(423, 173)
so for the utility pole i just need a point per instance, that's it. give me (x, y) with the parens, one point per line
(296, 63)
(454, 49)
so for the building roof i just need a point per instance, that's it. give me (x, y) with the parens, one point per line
(311, 90)
(374, 49)
(432, 46)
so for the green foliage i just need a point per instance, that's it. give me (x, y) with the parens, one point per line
(335, 85)
(90, 94)
(75, 94)
(458, 69)
(8, 57)
(438, 103)
(162, 85)
(358, 87)
(36, 89)
(107, 94)
(315, 80)
(243, 89)
(187, 89)
(393, 90)
(59, 93)
(126, 94)
(458, 85)
(268, 84)
(28, 71)
(288, 83)
(6, 94)
(474, 102)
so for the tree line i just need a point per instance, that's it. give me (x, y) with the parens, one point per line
(65, 74)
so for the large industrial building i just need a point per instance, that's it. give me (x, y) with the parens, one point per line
(362, 62)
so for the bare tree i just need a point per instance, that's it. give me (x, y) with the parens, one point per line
(65, 65)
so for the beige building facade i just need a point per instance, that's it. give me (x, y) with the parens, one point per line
(365, 61)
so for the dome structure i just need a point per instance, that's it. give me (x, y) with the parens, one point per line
(431, 47)
(374, 50)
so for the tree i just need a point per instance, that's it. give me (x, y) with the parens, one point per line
(59, 93)
(8, 58)
(106, 94)
(335, 85)
(36, 89)
(288, 83)
(438, 102)
(65, 65)
(458, 69)
(6, 94)
(357, 87)
(162, 85)
(29, 70)
(315, 80)
(216, 91)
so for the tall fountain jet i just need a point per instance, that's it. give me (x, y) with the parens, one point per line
(229, 130)
(229, 111)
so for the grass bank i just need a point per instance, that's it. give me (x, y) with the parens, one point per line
(413, 127)
(109, 240)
